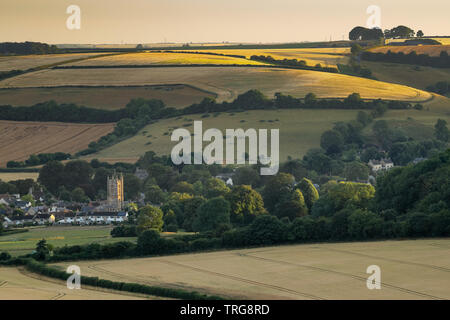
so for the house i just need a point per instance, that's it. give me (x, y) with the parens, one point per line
(22, 204)
(68, 218)
(379, 165)
(43, 218)
(21, 220)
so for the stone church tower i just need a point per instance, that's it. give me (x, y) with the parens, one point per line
(115, 191)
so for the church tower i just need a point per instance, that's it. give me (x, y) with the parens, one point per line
(115, 191)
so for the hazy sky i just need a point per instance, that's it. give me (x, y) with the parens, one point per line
(147, 21)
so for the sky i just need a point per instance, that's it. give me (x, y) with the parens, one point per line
(156, 21)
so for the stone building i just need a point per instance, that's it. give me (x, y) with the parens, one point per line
(115, 191)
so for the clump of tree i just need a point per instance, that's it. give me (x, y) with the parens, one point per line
(23, 48)
(441, 61)
(399, 32)
(41, 158)
(362, 33)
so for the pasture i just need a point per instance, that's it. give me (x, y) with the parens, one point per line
(300, 130)
(58, 236)
(432, 50)
(19, 140)
(111, 98)
(226, 82)
(412, 269)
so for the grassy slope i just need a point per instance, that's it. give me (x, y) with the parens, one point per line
(300, 130)
(413, 76)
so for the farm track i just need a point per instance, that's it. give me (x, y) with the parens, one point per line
(353, 276)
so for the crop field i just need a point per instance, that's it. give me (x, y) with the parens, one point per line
(414, 76)
(17, 284)
(312, 56)
(10, 176)
(8, 63)
(444, 41)
(149, 58)
(58, 236)
(110, 98)
(19, 140)
(413, 269)
(300, 130)
(433, 50)
(226, 82)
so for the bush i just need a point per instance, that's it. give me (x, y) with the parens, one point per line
(5, 256)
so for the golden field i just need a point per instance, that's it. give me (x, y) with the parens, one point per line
(433, 50)
(149, 58)
(312, 56)
(104, 97)
(10, 176)
(18, 284)
(226, 82)
(412, 269)
(19, 140)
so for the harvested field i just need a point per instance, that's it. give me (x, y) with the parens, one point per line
(412, 269)
(104, 97)
(430, 50)
(227, 82)
(8, 63)
(19, 140)
(18, 284)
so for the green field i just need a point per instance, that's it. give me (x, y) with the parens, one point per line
(58, 236)
(300, 130)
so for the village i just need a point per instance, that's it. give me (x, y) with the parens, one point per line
(20, 212)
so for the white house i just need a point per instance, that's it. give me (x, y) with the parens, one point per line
(383, 164)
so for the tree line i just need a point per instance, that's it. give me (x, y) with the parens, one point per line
(27, 47)
(441, 61)
(298, 64)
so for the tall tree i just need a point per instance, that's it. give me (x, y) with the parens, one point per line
(150, 218)
(309, 191)
(246, 204)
